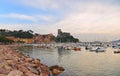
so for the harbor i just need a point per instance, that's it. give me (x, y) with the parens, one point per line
(76, 63)
(60, 38)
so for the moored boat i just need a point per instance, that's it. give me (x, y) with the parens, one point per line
(117, 51)
(100, 49)
(77, 48)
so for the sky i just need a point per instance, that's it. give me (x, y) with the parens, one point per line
(88, 20)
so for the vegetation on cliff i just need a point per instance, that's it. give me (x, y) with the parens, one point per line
(5, 40)
(61, 37)
(15, 33)
(66, 39)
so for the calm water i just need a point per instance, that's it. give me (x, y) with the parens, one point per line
(80, 63)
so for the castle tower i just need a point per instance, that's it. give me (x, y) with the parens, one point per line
(59, 32)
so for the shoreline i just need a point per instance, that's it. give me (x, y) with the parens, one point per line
(14, 62)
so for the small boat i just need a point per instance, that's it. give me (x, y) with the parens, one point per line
(97, 49)
(77, 48)
(93, 49)
(88, 47)
(117, 51)
(100, 49)
(69, 48)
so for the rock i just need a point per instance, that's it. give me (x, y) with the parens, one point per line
(44, 74)
(4, 71)
(15, 73)
(37, 62)
(7, 67)
(2, 75)
(33, 70)
(30, 74)
(11, 62)
(29, 59)
(23, 69)
(56, 70)
(30, 64)
(44, 70)
(15, 63)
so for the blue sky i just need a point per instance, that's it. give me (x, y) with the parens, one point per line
(80, 17)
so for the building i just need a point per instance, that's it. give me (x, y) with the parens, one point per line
(65, 37)
(62, 34)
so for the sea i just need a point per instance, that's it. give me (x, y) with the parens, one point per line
(78, 63)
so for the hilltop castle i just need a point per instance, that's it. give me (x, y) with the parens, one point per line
(65, 37)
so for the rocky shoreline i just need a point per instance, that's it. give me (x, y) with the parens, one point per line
(15, 63)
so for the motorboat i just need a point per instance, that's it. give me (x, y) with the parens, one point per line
(100, 49)
(93, 49)
(97, 49)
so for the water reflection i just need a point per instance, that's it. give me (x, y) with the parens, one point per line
(62, 52)
(27, 50)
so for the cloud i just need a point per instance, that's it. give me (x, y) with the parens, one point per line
(32, 18)
(76, 16)
(92, 18)
(79, 16)
(37, 28)
(40, 4)
(18, 16)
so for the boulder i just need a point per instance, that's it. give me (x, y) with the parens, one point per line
(30, 74)
(33, 70)
(44, 74)
(56, 70)
(2, 75)
(23, 69)
(37, 62)
(15, 73)
(29, 59)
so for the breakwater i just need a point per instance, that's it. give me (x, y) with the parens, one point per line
(13, 62)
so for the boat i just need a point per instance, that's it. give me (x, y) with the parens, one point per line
(97, 49)
(100, 49)
(88, 47)
(117, 51)
(77, 48)
(69, 48)
(93, 49)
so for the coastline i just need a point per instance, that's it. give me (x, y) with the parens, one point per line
(13, 62)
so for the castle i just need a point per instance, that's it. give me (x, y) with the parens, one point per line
(65, 37)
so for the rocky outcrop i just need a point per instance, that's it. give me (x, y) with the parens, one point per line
(15, 63)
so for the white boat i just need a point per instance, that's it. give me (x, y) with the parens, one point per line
(100, 49)
(93, 49)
